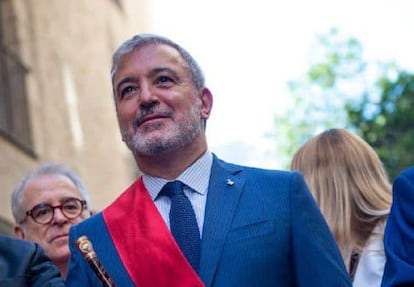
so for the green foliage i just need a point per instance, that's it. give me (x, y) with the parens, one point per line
(317, 98)
(387, 124)
(341, 89)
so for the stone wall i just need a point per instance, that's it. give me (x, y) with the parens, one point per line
(67, 48)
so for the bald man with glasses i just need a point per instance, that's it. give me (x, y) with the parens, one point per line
(45, 204)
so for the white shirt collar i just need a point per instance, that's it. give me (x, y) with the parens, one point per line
(196, 177)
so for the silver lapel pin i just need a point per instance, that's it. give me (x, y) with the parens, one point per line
(229, 182)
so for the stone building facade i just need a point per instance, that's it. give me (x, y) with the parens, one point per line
(55, 94)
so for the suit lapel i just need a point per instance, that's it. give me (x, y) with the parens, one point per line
(224, 192)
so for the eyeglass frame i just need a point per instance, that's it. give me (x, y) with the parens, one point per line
(28, 213)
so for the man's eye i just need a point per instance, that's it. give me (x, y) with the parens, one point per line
(70, 206)
(41, 212)
(127, 90)
(163, 80)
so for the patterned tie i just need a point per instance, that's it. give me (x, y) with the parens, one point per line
(183, 223)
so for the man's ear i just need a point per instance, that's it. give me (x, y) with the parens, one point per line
(206, 102)
(18, 232)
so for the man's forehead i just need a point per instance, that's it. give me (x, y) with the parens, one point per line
(49, 183)
(149, 60)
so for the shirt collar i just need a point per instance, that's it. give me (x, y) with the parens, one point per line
(196, 177)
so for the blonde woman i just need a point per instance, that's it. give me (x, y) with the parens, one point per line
(351, 187)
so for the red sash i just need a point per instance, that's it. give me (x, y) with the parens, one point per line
(144, 243)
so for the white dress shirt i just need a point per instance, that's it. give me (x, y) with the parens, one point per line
(371, 263)
(196, 178)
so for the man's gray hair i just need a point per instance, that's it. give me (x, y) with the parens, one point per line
(45, 169)
(142, 40)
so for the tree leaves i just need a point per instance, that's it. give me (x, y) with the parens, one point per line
(341, 89)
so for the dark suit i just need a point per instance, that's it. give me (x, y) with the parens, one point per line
(261, 228)
(399, 233)
(24, 263)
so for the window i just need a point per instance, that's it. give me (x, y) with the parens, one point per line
(14, 116)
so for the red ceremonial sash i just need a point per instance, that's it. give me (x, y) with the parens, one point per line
(142, 239)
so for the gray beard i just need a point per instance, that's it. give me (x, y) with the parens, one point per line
(186, 133)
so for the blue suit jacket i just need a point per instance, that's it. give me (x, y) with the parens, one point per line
(24, 263)
(399, 233)
(261, 228)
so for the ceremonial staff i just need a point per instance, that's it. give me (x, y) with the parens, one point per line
(86, 249)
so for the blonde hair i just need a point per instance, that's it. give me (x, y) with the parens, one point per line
(349, 183)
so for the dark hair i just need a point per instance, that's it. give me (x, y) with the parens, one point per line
(142, 40)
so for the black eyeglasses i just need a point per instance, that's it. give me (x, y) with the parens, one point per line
(43, 213)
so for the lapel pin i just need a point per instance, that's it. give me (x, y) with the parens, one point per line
(229, 182)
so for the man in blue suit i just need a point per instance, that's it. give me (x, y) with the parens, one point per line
(25, 264)
(192, 219)
(399, 233)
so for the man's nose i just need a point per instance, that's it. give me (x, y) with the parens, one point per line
(58, 216)
(147, 97)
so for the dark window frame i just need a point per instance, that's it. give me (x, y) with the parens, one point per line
(15, 124)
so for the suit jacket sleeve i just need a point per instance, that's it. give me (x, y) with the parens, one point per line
(399, 234)
(42, 271)
(316, 257)
(24, 263)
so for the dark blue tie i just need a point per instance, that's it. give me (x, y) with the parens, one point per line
(183, 223)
